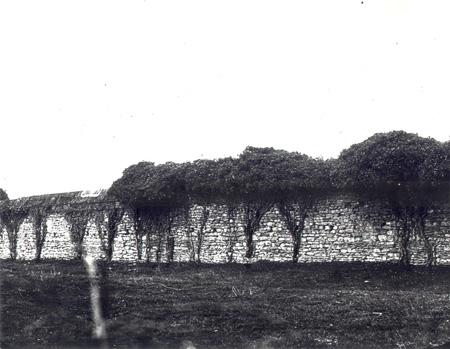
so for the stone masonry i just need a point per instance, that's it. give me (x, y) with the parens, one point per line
(338, 230)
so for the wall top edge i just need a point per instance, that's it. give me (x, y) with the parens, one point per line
(58, 199)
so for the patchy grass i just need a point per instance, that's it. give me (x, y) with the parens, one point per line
(263, 305)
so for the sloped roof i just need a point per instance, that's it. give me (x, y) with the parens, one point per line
(61, 199)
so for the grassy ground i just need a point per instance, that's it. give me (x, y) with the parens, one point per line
(263, 305)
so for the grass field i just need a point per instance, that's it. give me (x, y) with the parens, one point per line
(263, 305)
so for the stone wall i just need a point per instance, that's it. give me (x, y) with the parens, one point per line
(338, 230)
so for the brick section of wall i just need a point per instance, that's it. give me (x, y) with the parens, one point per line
(338, 230)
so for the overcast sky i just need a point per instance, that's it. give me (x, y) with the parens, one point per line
(88, 88)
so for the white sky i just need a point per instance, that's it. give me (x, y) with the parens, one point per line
(88, 88)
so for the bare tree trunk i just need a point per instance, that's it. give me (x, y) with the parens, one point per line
(114, 216)
(294, 217)
(419, 227)
(232, 231)
(138, 231)
(78, 221)
(40, 231)
(250, 250)
(253, 213)
(148, 246)
(296, 248)
(12, 219)
(201, 232)
(12, 237)
(170, 248)
(403, 238)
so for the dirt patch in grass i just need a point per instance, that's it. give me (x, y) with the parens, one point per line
(262, 305)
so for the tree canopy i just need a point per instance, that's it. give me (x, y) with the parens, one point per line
(387, 166)
(394, 166)
(148, 185)
(261, 174)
